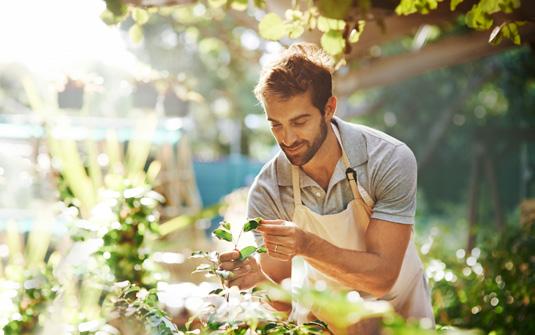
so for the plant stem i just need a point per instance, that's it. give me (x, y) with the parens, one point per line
(238, 239)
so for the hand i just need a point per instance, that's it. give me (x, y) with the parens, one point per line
(283, 239)
(245, 274)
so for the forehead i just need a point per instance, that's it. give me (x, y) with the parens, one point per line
(283, 109)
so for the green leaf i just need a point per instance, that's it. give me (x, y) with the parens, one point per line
(117, 7)
(214, 325)
(496, 35)
(407, 7)
(271, 27)
(260, 4)
(295, 30)
(247, 251)
(110, 19)
(325, 24)
(507, 30)
(140, 16)
(199, 254)
(136, 33)
(225, 225)
(223, 234)
(293, 15)
(261, 250)
(223, 273)
(252, 224)
(203, 268)
(216, 291)
(334, 9)
(478, 19)
(333, 42)
(239, 5)
(354, 36)
(216, 3)
(454, 4)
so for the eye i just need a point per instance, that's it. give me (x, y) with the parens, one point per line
(275, 125)
(300, 123)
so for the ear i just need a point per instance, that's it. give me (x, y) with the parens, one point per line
(330, 108)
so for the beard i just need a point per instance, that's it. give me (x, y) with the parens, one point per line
(300, 158)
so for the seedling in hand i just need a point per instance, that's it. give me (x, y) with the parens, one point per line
(223, 232)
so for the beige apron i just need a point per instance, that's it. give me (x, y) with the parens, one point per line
(409, 296)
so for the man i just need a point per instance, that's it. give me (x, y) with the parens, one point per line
(339, 195)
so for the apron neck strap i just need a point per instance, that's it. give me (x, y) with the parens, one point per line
(351, 175)
(296, 184)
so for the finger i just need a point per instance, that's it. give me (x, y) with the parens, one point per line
(229, 256)
(279, 249)
(243, 271)
(280, 240)
(236, 282)
(249, 261)
(274, 222)
(280, 256)
(230, 266)
(278, 230)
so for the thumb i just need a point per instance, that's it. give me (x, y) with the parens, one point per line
(273, 222)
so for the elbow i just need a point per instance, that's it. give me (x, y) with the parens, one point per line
(385, 284)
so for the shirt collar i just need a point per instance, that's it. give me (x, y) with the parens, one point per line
(354, 144)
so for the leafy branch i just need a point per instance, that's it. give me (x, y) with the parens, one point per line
(223, 232)
(341, 22)
(142, 305)
(479, 17)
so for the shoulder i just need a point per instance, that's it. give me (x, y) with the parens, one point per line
(266, 179)
(365, 144)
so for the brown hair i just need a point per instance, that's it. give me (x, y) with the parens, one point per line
(300, 68)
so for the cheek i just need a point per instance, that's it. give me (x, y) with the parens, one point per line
(277, 133)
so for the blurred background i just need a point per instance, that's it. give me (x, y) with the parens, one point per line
(128, 132)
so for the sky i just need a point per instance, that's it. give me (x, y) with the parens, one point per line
(60, 36)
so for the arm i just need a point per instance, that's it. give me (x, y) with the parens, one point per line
(375, 270)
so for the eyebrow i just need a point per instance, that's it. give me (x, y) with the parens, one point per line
(294, 118)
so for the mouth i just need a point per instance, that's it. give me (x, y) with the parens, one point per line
(293, 149)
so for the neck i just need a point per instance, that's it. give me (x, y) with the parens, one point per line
(321, 167)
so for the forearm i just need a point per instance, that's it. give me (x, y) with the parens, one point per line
(363, 271)
(281, 306)
(275, 272)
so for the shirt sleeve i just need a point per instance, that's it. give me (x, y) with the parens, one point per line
(396, 187)
(260, 203)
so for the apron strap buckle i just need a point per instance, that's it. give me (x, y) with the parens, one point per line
(351, 174)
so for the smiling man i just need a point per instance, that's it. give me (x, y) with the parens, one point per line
(340, 196)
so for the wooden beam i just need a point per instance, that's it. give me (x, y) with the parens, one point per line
(448, 52)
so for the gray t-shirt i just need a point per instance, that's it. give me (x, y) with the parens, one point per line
(385, 167)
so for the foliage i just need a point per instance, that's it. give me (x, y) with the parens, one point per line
(245, 313)
(128, 218)
(490, 286)
(340, 22)
(442, 126)
(122, 210)
(236, 312)
(232, 311)
(479, 17)
(141, 304)
(30, 297)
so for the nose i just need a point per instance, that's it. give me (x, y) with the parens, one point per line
(288, 137)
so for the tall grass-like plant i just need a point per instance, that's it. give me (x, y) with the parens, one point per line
(27, 284)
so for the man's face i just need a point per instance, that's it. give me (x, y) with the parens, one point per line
(298, 126)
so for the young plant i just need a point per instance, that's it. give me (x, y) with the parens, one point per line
(223, 232)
